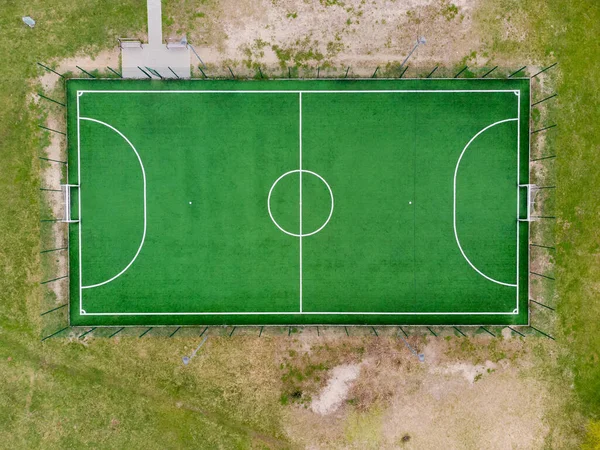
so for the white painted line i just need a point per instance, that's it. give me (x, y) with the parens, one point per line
(454, 202)
(144, 179)
(271, 213)
(79, 93)
(283, 91)
(518, 183)
(79, 198)
(300, 196)
(297, 313)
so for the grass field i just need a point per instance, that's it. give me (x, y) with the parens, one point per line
(374, 201)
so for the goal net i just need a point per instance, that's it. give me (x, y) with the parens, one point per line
(66, 188)
(531, 190)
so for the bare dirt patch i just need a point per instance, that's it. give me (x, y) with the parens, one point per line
(469, 393)
(329, 33)
(53, 173)
(336, 391)
(98, 62)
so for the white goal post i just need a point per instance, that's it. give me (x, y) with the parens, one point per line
(66, 188)
(531, 188)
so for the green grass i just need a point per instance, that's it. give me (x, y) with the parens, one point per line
(562, 32)
(578, 268)
(209, 160)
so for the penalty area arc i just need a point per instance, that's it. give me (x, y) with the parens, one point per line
(145, 224)
(514, 119)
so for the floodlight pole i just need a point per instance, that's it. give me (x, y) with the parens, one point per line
(420, 40)
(187, 359)
(421, 356)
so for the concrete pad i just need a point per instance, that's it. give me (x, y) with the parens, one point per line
(159, 58)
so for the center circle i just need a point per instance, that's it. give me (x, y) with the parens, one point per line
(271, 192)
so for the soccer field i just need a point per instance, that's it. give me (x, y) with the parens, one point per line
(298, 201)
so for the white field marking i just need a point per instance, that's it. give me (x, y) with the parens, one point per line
(454, 203)
(297, 313)
(300, 187)
(144, 178)
(79, 198)
(518, 94)
(269, 203)
(367, 91)
(514, 312)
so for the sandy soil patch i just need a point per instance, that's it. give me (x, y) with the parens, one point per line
(336, 391)
(472, 393)
(100, 61)
(358, 33)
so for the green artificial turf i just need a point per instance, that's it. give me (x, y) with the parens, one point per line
(212, 254)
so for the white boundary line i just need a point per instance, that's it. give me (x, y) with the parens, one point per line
(81, 310)
(291, 91)
(518, 183)
(297, 313)
(300, 188)
(145, 208)
(454, 203)
(80, 92)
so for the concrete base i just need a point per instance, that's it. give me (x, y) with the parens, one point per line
(157, 57)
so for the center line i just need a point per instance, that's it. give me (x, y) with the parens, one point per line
(300, 173)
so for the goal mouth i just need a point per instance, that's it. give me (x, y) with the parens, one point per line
(530, 191)
(66, 191)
